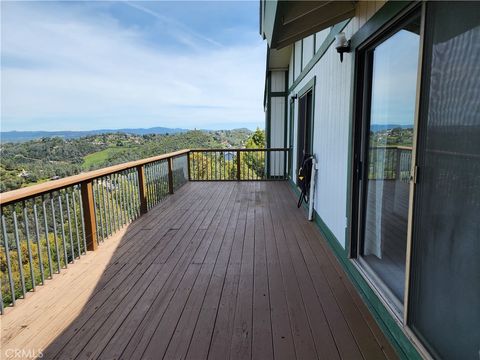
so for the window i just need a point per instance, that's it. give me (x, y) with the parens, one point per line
(385, 155)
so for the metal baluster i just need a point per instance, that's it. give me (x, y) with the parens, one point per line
(107, 190)
(9, 264)
(37, 238)
(69, 218)
(149, 189)
(129, 195)
(105, 209)
(50, 266)
(29, 248)
(55, 235)
(122, 199)
(63, 230)
(157, 183)
(83, 223)
(1, 297)
(115, 203)
(75, 219)
(214, 164)
(95, 195)
(125, 196)
(154, 185)
(150, 185)
(120, 203)
(135, 193)
(125, 199)
(107, 200)
(98, 200)
(19, 253)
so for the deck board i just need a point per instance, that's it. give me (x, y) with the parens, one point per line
(218, 270)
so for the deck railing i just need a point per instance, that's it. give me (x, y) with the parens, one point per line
(238, 164)
(390, 163)
(47, 227)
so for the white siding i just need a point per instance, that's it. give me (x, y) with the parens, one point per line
(278, 81)
(298, 58)
(290, 71)
(277, 134)
(320, 38)
(307, 50)
(331, 126)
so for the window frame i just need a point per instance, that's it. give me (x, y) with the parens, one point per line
(359, 167)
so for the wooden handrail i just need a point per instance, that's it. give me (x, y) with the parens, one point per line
(235, 150)
(49, 186)
(391, 147)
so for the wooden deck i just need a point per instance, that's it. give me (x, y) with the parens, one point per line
(219, 270)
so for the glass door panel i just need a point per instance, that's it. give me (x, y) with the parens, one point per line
(388, 133)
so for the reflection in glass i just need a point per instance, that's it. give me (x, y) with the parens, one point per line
(392, 107)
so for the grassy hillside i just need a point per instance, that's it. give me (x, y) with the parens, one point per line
(27, 163)
(96, 159)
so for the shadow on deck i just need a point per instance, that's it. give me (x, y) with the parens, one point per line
(218, 270)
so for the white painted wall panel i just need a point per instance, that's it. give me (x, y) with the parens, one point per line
(278, 81)
(331, 127)
(320, 38)
(298, 58)
(307, 50)
(290, 71)
(277, 134)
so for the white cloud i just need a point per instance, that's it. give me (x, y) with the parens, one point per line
(68, 69)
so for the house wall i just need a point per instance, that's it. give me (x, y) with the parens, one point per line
(332, 99)
(276, 119)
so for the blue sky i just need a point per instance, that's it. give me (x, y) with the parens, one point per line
(91, 65)
(395, 67)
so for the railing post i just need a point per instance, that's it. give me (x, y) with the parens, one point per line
(88, 206)
(142, 190)
(188, 166)
(238, 164)
(398, 154)
(170, 175)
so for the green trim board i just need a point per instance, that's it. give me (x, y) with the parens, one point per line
(318, 55)
(388, 325)
(309, 85)
(290, 134)
(268, 117)
(378, 21)
(301, 56)
(293, 62)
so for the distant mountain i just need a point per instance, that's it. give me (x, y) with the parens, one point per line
(21, 136)
(381, 127)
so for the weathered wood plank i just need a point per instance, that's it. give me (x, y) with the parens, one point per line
(217, 270)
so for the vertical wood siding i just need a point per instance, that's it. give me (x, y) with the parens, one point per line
(298, 58)
(331, 125)
(277, 132)
(320, 37)
(307, 50)
(278, 81)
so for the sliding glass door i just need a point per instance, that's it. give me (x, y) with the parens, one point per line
(390, 79)
(444, 301)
